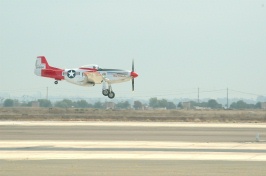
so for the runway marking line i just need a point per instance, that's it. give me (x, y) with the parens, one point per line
(133, 124)
(135, 155)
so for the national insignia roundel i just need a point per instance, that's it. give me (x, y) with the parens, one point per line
(71, 74)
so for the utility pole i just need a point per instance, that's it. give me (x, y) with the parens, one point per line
(198, 94)
(227, 99)
(46, 93)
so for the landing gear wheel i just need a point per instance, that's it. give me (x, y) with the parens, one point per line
(56, 82)
(111, 95)
(105, 92)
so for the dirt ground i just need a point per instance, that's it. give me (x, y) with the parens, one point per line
(77, 114)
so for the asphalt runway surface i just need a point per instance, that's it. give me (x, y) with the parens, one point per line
(131, 148)
(130, 131)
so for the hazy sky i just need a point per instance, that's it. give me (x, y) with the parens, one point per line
(178, 45)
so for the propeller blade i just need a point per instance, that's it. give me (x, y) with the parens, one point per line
(133, 84)
(133, 66)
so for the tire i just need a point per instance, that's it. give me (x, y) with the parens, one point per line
(111, 95)
(56, 82)
(105, 92)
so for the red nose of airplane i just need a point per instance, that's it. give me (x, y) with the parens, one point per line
(134, 74)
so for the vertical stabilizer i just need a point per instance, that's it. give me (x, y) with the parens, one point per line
(42, 68)
(40, 64)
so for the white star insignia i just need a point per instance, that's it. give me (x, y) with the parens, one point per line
(71, 73)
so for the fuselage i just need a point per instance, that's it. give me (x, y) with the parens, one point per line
(90, 75)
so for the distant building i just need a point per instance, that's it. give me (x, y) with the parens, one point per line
(263, 105)
(201, 108)
(16, 103)
(186, 105)
(109, 105)
(161, 108)
(35, 104)
(1, 101)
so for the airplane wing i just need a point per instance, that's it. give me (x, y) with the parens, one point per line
(94, 77)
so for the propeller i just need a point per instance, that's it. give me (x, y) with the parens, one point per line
(133, 75)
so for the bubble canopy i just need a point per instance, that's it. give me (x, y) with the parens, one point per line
(91, 66)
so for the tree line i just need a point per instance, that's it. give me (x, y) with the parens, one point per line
(154, 103)
(213, 104)
(66, 103)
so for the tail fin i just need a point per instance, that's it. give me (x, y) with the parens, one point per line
(41, 63)
(42, 68)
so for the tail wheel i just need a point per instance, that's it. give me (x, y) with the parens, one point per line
(111, 95)
(56, 82)
(105, 92)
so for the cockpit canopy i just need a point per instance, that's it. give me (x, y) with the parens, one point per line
(91, 66)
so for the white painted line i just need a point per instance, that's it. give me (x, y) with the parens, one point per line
(133, 144)
(43, 155)
(133, 124)
(116, 154)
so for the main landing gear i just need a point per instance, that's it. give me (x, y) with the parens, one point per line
(108, 92)
(56, 82)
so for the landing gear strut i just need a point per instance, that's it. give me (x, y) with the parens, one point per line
(108, 92)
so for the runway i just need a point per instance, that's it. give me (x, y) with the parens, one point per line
(131, 131)
(133, 148)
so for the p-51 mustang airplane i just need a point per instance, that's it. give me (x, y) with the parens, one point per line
(87, 75)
